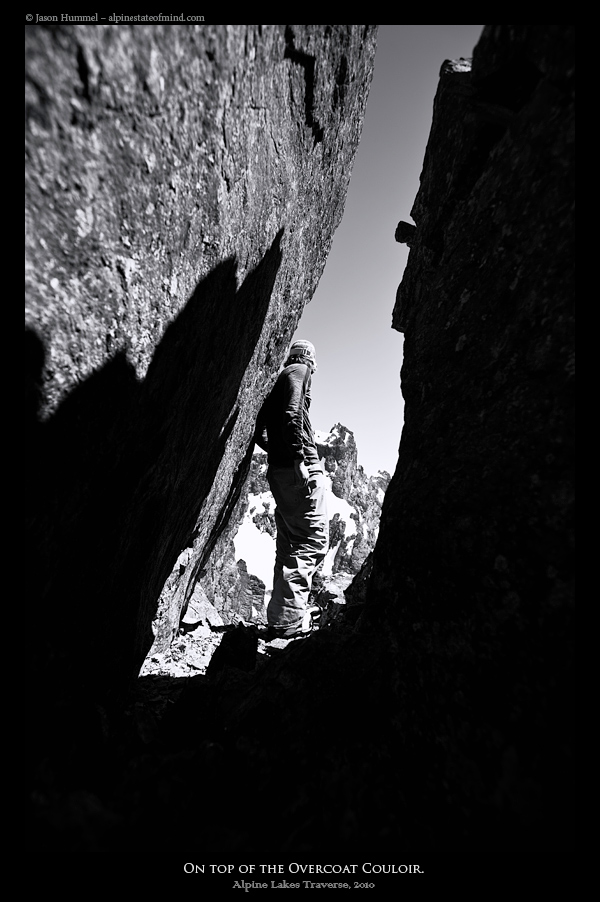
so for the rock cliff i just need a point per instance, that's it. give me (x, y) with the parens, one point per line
(183, 186)
(437, 727)
(473, 569)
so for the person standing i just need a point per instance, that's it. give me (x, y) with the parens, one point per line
(297, 481)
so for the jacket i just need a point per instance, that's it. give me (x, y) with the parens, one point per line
(283, 426)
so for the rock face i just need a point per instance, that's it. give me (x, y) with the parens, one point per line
(441, 722)
(239, 575)
(183, 187)
(478, 514)
(473, 570)
(436, 727)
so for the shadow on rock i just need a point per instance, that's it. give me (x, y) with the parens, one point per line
(117, 476)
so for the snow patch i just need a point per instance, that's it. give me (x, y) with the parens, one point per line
(255, 547)
(329, 560)
(329, 438)
(339, 506)
(323, 438)
(263, 503)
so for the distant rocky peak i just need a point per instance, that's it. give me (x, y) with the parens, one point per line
(337, 434)
(238, 577)
(338, 450)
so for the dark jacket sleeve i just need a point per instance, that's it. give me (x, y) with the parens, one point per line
(293, 410)
(260, 430)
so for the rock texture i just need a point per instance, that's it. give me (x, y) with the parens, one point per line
(478, 516)
(183, 187)
(474, 567)
(437, 726)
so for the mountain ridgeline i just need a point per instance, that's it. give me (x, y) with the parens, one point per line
(237, 581)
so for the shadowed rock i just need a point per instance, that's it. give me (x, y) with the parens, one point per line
(437, 725)
(179, 216)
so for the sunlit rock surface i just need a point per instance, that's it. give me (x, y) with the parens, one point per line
(450, 698)
(435, 727)
(183, 188)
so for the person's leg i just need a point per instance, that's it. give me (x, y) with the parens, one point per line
(302, 538)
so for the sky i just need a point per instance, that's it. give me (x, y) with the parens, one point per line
(349, 318)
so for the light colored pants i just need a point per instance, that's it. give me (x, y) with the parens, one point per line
(302, 541)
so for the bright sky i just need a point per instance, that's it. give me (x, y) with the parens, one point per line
(349, 318)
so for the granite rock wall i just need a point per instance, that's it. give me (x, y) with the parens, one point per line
(183, 187)
(473, 572)
(436, 724)
(436, 727)
(478, 515)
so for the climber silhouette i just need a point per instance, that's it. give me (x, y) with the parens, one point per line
(297, 481)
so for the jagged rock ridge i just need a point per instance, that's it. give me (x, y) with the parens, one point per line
(239, 575)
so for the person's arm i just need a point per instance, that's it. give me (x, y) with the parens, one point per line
(301, 471)
(260, 430)
(293, 416)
